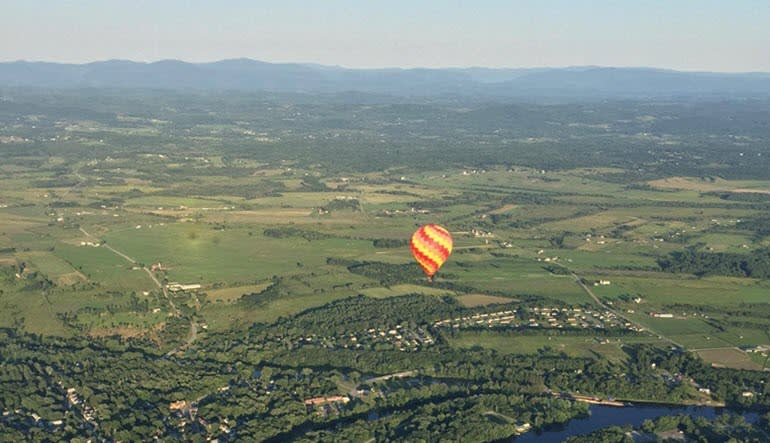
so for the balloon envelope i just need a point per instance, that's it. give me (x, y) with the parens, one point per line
(431, 246)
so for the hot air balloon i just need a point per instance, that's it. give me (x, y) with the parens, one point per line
(431, 246)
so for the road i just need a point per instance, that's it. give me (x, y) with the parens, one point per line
(353, 391)
(618, 314)
(190, 339)
(193, 325)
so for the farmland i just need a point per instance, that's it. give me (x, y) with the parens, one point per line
(516, 229)
(280, 266)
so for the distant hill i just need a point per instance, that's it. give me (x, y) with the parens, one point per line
(253, 75)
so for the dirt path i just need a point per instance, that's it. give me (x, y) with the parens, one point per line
(352, 393)
(190, 339)
(618, 314)
(174, 309)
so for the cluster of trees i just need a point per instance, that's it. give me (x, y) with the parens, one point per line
(356, 314)
(755, 264)
(754, 197)
(464, 416)
(249, 190)
(291, 231)
(390, 242)
(314, 184)
(758, 225)
(387, 274)
(350, 204)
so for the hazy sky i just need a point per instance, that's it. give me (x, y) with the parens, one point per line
(719, 35)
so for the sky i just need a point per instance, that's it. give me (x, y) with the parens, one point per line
(707, 35)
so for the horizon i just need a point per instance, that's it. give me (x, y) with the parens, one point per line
(690, 35)
(403, 68)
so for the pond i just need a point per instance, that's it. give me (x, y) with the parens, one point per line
(603, 416)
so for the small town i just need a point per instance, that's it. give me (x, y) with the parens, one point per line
(545, 317)
(401, 336)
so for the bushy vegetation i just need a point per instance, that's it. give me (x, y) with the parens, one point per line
(755, 264)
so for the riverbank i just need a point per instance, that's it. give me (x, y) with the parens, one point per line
(623, 402)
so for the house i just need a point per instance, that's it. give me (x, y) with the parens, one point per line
(177, 405)
(176, 287)
(522, 427)
(322, 400)
(661, 315)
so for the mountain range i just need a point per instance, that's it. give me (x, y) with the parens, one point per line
(253, 75)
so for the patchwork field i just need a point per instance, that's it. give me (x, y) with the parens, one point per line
(518, 233)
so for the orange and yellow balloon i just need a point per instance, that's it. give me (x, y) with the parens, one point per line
(431, 246)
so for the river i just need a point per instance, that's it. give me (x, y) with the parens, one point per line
(603, 416)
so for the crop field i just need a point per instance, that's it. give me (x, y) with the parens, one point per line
(218, 240)
(194, 253)
(728, 357)
(659, 290)
(104, 267)
(519, 231)
(519, 277)
(47, 263)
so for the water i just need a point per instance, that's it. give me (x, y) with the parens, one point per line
(603, 416)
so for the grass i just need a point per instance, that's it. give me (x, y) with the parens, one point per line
(597, 221)
(307, 290)
(38, 312)
(103, 266)
(474, 300)
(226, 316)
(602, 257)
(197, 253)
(718, 184)
(611, 348)
(760, 359)
(659, 290)
(156, 201)
(48, 263)
(726, 242)
(239, 255)
(729, 358)
(700, 341)
(396, 290)
(516, 277)
(229, 295)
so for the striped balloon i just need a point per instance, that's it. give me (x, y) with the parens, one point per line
(431, 246)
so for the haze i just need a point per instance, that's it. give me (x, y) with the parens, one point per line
(686, 35)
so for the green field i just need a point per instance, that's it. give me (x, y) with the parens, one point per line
(518, 233)
(197, 253)
(610, 348)
(104, 267)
